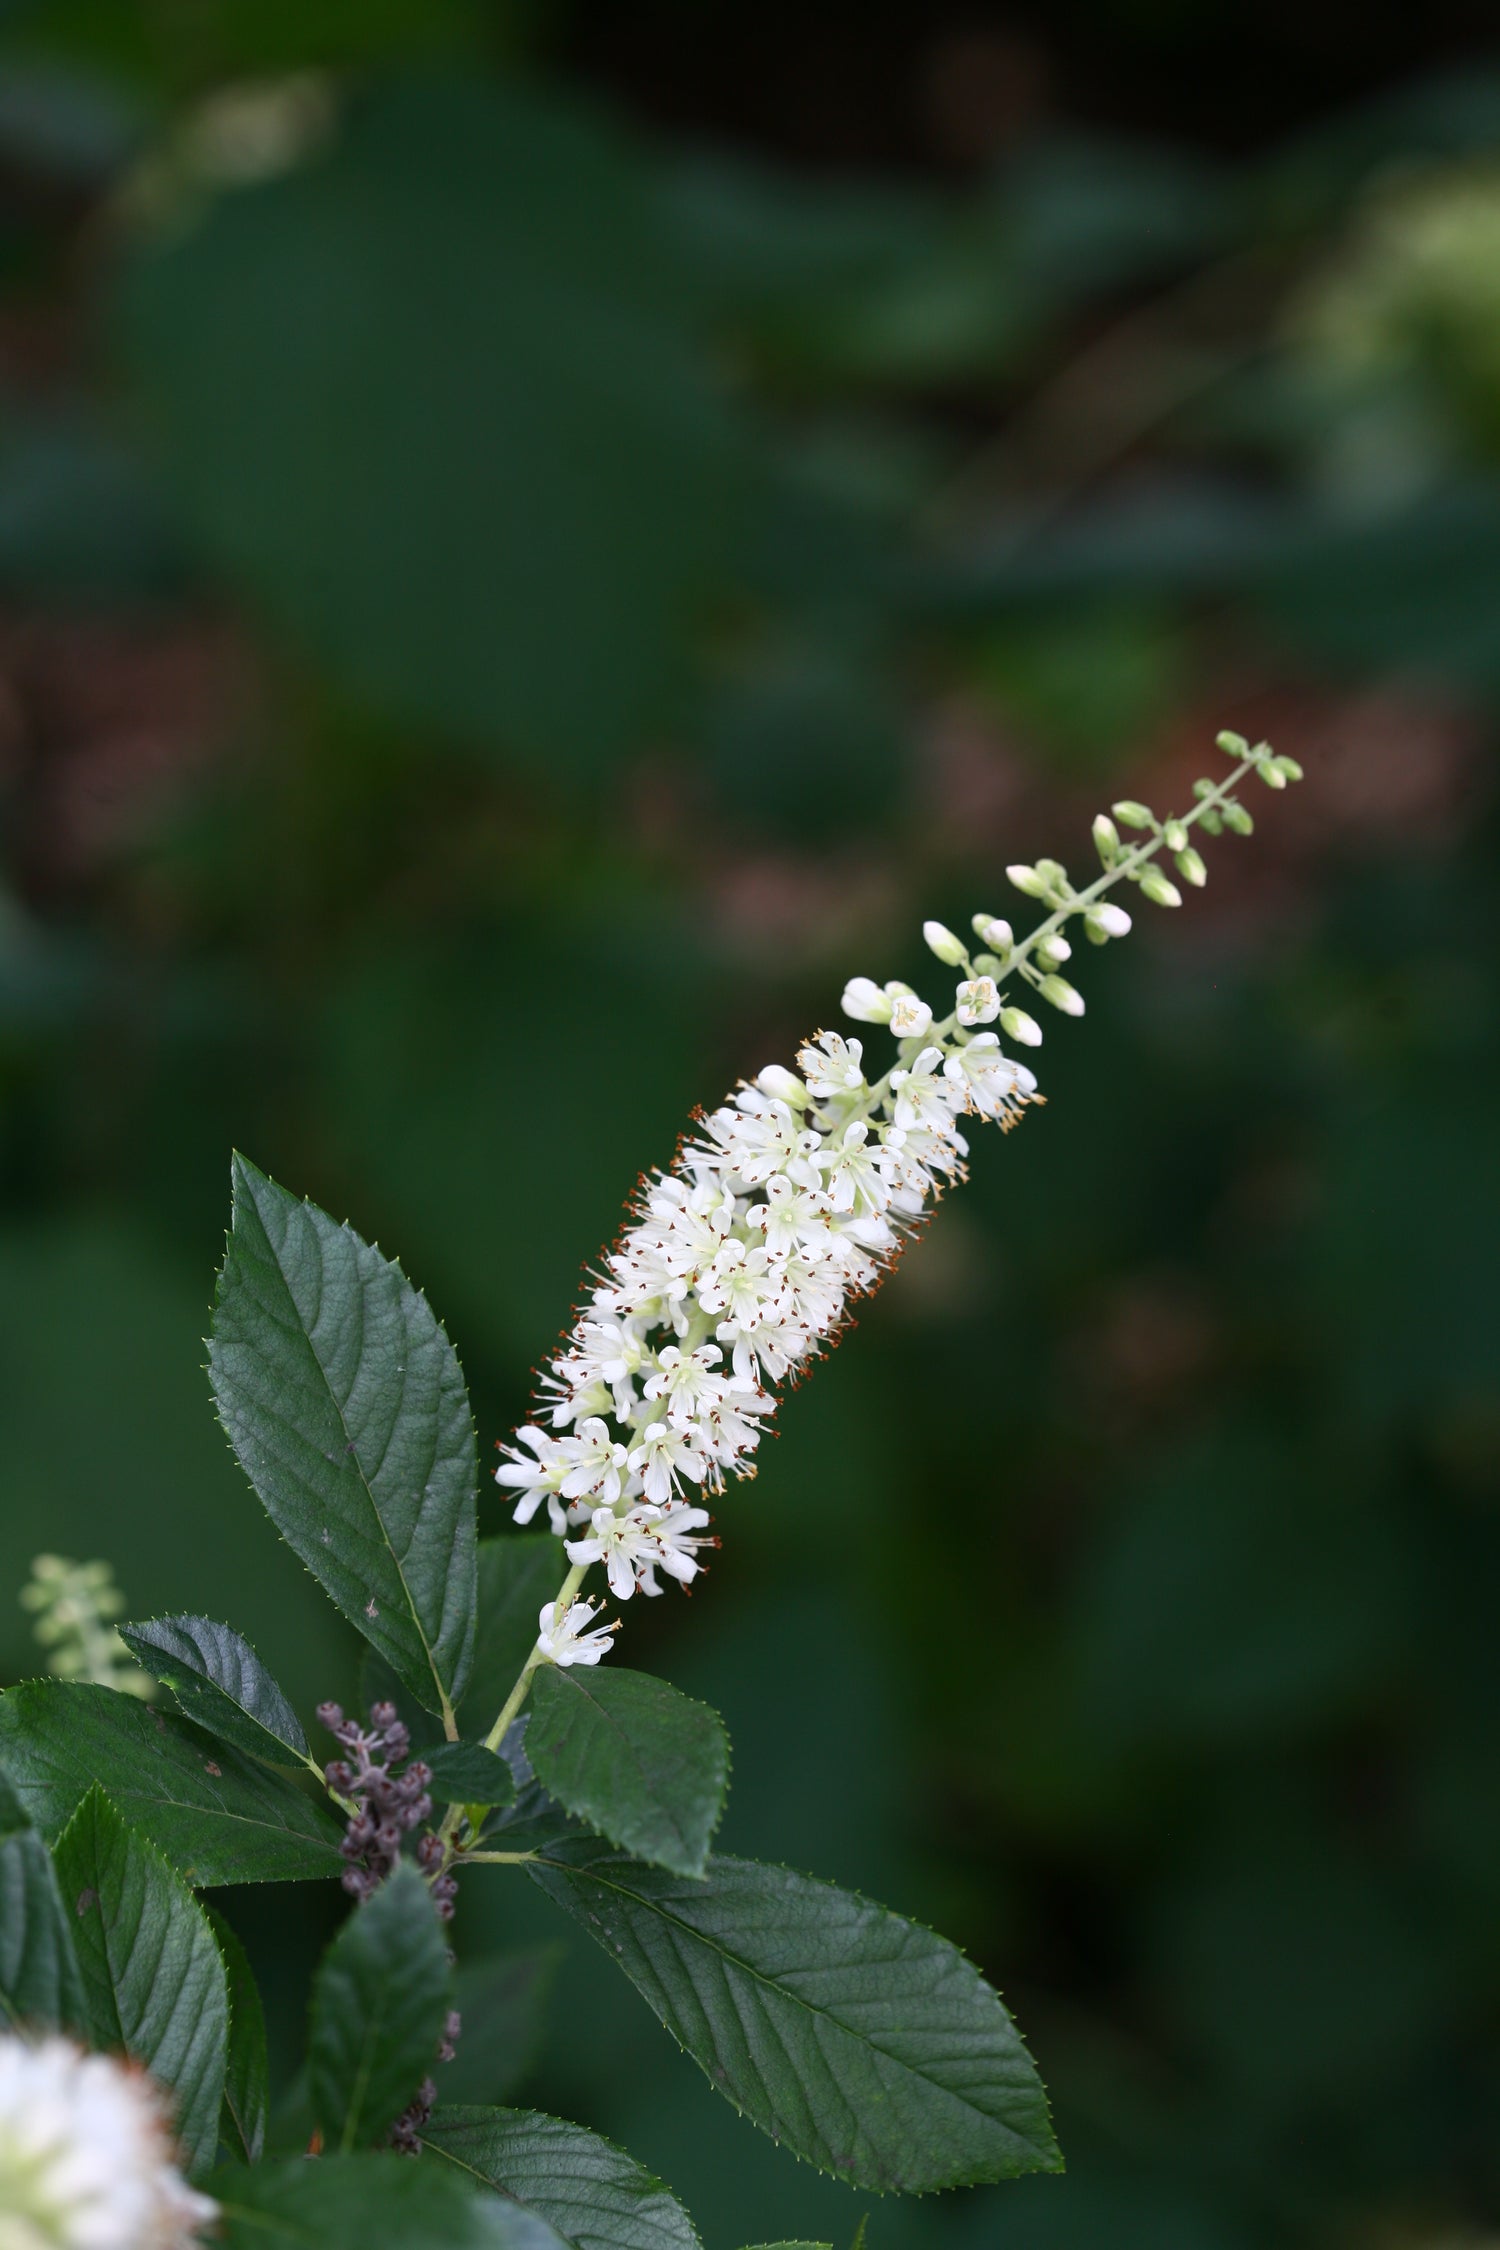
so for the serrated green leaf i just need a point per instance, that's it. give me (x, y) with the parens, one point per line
(346, 1407)
(361, 2202)
(518, 1575)
(465, 1773)
(501, 2001)
(638, 1760)
(218, 1817)
(380, 1997)
(40, 1981)
(799, 2245)
(217, 1679)
(247, 2083)
(152, 1974)
(592, 2192)
(867, 2044)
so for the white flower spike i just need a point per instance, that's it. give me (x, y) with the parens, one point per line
(86, 2155)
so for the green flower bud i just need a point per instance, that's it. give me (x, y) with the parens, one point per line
(994, 931)
(1053, 951)
(988, 964)
(1174, 836)
(1132, 814)
(1028, 879)
(1204, 788)
(1017, 1025)
(1271, 774)
(1236, 817)
(1052, 872)
(941, 941)
(1191, 868)
(1106, 839)
(1062, 995)
(1210, 822)
(1159, 888)
(1290, 768)
(1233, 745)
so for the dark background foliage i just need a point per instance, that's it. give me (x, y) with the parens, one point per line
(534, 541)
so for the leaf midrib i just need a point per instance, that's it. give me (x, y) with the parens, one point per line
(638, 1761)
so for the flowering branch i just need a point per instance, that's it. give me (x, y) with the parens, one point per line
(793, 1199)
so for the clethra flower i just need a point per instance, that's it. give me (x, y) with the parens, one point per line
(567, 1639)
(87, 2160)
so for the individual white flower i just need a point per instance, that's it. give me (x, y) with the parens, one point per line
(790, 1216)
(866, 1001)
(678, 1540)
(756, 1138)
(687, 1382)
(567, 1640)
(626, 1545)
(663, 1455)
(924, 1096)
(832, 1066)
(607, 1352)
(596, 1463)
(538, 1479)
(852, 1170)
(977, 1001)
(768, 1350)
(911, 1018)
(993, 1085)
(740, 1283)
(86, 2155)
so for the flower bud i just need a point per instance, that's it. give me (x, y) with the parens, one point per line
(864, 1000)
(1111, 920)
(1271, 774)
(1133, 815)
(1232, 745)
(977, 1001)
(911, 1018)
(1027, 879)
(1053, 951)
(1174, 836)
(1236, 817)
(1191, 868)
(941, 941)
(1289, 767)
(1106, 839)
(1159, 888)
(995, 931)
(987, 964)
(1210, 821)
(783, 1086)
(1062, 995)
(1052, 872)
(1017, 1025)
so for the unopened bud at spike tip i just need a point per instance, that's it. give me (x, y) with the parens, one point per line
(864, 1000)
(993, 930)
(1233, 745)
(1027, 879)
(1106, 839)
(940, 940)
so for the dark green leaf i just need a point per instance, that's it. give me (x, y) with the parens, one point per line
(644, 1764)
(39, 1976)
(381, 1994)
(518, 1573)
(547, 453)
(591, 2191)
(368, 2203)
(867, 2044)
(219, 1818)
(247, 2086)
(797, 2246)
(152, 1973)
(465, 1773)
(501, 2002)
(218, 1679)
(345, 1404)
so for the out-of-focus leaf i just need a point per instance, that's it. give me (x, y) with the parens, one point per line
(154, 1977)
(502, 2002)
(466, 1773)
(380, 1997)
(247, 2085)
(39, 1975)
(591, 2191)
(518, 1575)
(350, 2202)
(433, 399)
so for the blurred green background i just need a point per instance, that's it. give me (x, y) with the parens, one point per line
(537, 539)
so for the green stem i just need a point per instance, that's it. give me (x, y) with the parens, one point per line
(518, 1693)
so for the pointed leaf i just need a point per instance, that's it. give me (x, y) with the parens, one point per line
(867, 2044)
(519, 1572)
(638, 1760)
(344, 1401)
(380, 1997)
(217, 1679)
(367, 2203)
(798, 2245)
(465, 1773)
(40, 1981)
(592, 2192)
(247, 2085)
(152, 1973)
(218, 1817)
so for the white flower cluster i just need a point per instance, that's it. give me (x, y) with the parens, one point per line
(86, 2157)
(739, 1265)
